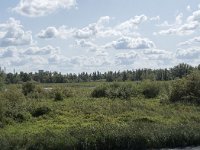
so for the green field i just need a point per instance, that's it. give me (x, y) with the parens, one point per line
(80, 121)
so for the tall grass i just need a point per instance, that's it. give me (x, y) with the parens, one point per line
(98, 116)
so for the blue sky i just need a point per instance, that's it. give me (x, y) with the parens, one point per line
(91, 35)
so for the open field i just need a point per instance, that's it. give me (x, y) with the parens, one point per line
(80, 121)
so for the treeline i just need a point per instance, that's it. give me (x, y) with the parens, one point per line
(178, 71)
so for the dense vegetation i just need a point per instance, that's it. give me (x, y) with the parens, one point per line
(101, 115)
(178, 71)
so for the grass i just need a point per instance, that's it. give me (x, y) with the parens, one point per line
(84, 122)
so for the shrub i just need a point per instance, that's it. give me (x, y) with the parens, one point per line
(122, 91)
(115, 90)
(60, 93)
(1, 112)
(178, 90)
(1, 83)
(13, 101)
(99, 91)
(58, 96)
(28, 87)
(40, 111)
(187, 89)
(150, 89)
(38, 93)
(126, 91)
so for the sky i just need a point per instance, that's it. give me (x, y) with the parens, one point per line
(73, 36)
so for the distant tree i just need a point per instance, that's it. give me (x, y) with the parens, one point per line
(181, 70)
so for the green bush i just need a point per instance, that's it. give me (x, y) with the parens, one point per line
(60, 93)
(13, 105)
(40, 111)
(28, 87)
(113, 91)
(187, 89)
(1, 113)
(99, 91)
(1, 83)
(150, 89)
(39, 93)
(58, 96)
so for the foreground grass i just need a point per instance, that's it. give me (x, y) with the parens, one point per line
(82, 122)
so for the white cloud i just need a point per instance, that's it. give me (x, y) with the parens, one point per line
(178, 21)
(190, 41)
(47, 50)
(190, 53)
(126, 58)
(13, 34)
(131, 43)
(53, 32)
(179, 28)
(8, 52)
(132, 23)
(32, 57)
(194, 17)
(86, 32)
(49, 32)
(158, 55)
(185, 29)
(36, 8)
(99, 29)
(90, 46)
(155, 51)
(156, 18)
(93, 29)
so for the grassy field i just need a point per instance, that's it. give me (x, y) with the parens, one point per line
(80, 121)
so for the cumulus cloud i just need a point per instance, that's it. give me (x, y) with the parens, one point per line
(155, 51)
(47, 50)
(131, 43)
(53, 32)
(158, 55)
(8, 52)
(50, 32)
(132, 23)
(99, 29)
(36, 8)
(38, 56)
(156, 18)
(191, 24)
(190, 41)
(13, 34)
(86, 32)
(126, 58)
(190, 53)
(92, 29)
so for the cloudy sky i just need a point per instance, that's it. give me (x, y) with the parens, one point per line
(90, 35)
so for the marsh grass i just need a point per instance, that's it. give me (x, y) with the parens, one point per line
(84, 122)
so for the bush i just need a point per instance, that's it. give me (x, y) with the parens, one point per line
(59, 94)
(1, 83)
(1, 112)
(187, 89)
(99, 91)
(40, 111)
(13, 105)
(150, 89)
(113, 91)
(28, 87)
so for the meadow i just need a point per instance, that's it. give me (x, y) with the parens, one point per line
(100, 115)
